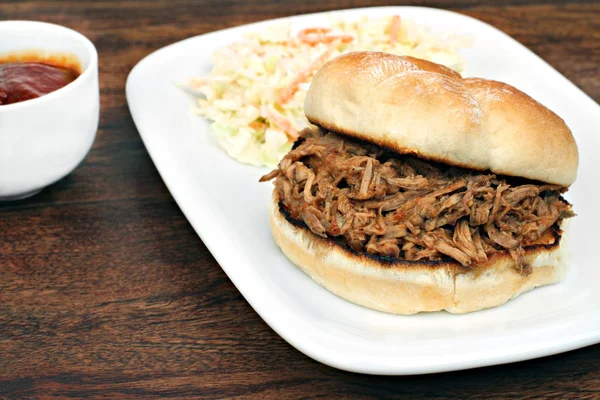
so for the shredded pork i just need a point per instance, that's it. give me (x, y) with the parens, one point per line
(402, 207)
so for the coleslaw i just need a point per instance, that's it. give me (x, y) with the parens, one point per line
(255, 93)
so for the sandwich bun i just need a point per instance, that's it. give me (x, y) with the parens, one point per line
(409, 287)
(413, 106)
(416, 107)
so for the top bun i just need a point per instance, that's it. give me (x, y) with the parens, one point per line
(414, 106)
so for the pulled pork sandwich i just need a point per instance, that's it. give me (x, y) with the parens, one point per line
(422, 191)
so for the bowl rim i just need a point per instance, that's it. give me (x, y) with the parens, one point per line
(92, 65)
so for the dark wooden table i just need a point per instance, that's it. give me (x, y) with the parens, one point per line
(106, 291)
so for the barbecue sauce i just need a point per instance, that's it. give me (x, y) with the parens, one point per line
(28, 77)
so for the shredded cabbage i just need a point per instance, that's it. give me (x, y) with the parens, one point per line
(255, 93)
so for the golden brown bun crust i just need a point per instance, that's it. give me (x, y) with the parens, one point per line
(417, 107)
(410, 287)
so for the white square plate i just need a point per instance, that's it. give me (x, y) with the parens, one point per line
(228, 208)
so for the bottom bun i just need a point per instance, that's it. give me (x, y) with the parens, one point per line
(409, 287)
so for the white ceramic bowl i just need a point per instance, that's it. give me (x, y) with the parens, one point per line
(44, 139)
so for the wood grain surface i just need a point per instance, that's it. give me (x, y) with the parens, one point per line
(107, 292)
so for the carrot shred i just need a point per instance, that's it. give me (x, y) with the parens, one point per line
(394, 29)
(279, 121)
(257, 126)
(342, 38)
(289, 91)
(314, 36)
(305, 74)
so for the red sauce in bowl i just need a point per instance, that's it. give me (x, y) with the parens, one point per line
(30, 79)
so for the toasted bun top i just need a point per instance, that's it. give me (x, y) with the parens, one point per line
(418, 107)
